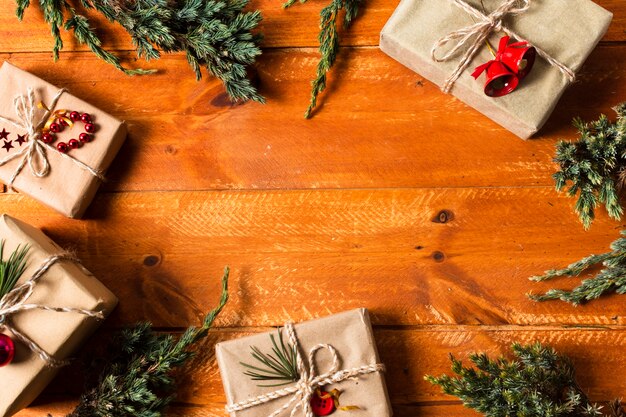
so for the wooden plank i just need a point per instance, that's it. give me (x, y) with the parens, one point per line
(397, 134)
(296, 27)
(320, 252)
(409, 355)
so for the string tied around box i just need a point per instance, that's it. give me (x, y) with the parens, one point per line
(34, 153)
(473, 37)
(16, 301)
(302, 392)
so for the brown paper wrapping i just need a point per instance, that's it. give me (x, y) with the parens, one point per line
(567, 29)
(59, 334)
(68, 188)
(350, 333)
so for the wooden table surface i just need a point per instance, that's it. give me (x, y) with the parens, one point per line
(394, 197)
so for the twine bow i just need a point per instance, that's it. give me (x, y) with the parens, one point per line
(15, 301)
(309, 381)
(34, 153)
(474, 36)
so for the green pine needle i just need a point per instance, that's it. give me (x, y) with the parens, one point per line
(12, 269)
(281, 366)
(214, 34)
(138, 375)
(538, 382)
(611, 279)
(329, 41)
(594, 166)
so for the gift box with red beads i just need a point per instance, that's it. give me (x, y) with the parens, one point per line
(45, 316)
(511, 60)
(54, 146)
(322, 367)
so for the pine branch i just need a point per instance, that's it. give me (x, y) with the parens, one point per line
(279, 366)
(12, 269)
(214, 34)
(538, 382)
(594, 167)
(612, 278)
(329, 41)
(137, 377)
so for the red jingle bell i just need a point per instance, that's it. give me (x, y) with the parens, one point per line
(322, 403)
(518, 56)
(7, 350)
(500, 79)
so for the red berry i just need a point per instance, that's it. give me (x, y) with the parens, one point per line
(62, 147)
(322, 404)
(74, 116)
(47, 138)
(7, 350)
(56, 128)
(90, 127)
(73, 144)
(85, 118)
(85, 137)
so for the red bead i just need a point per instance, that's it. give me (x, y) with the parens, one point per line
(85, 137)
(63, 122)
(7, 350)
(56, 128)
(90, 127)
(47, 138)
(322, 404)
(74, 116)
(62, 147)
(85, 118)
(73, 144)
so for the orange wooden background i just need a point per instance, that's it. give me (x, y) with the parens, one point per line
(341, 211)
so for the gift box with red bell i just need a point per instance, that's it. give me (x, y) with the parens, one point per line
(541, 45)
(54, 146)
(322, 367)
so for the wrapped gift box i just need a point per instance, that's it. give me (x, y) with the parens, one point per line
(350, 333)
(568, 30)
(59, 334)
(68, 187)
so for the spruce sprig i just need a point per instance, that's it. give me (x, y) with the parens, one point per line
(594, 166)
(281, 366)
(538, 382)
(214, 34)
(12, 269)
(329, 41)
(612, 278)
(137, 377)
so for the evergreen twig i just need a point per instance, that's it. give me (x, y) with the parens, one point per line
(594, 166)
(137, 378)
(281, 366)
(329, 41)
(12, 269)
(612, 278)
(538, 382)
(215, 34)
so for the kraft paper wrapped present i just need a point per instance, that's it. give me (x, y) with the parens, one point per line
(59, 334)
(360, 378)
(567, 30)
(72, 180)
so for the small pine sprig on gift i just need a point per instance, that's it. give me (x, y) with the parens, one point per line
(594, 166)
(616, 408)
(612, 278)
(538, 382)
(12, 269)
(137, 377)
(213, 34)
(281, 366)
(329, 41)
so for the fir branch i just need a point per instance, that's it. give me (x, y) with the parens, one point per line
(214, 34)
(329, 41)
(612, 278)
(538, 382)
(281, 366)
(594, 166)
(12, 269)
(137, 378)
